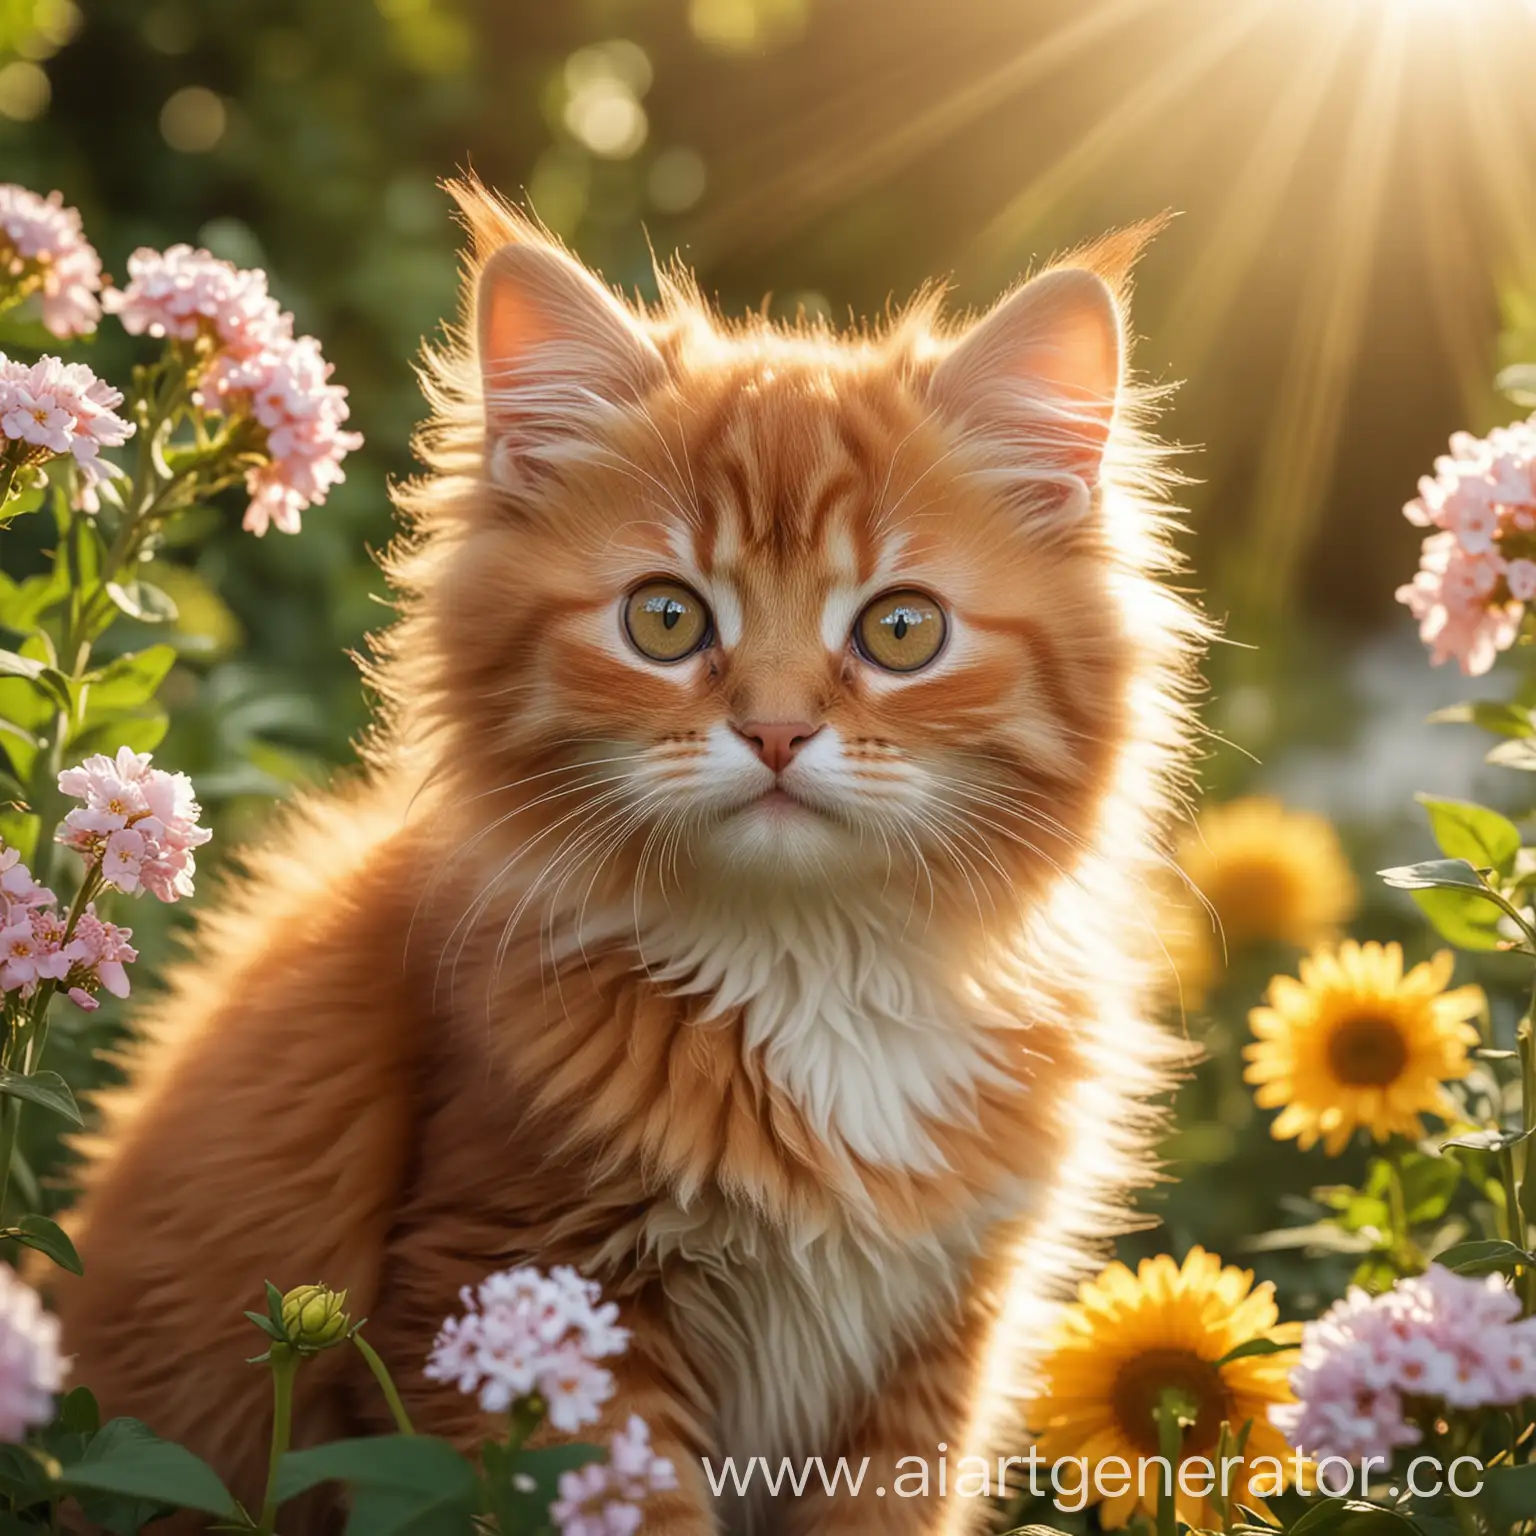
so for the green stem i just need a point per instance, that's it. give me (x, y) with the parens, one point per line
(285, 1366)
(1517, 1191)
(1514, 1220)
(1172, 1414)
(386, 1384)
(1406, 1253)
(25, 1044)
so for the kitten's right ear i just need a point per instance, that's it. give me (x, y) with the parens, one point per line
(557, 350)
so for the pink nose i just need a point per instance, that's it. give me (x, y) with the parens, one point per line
(777, 741)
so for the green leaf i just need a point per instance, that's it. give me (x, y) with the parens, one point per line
(1512, 720)
(1429, 1185)
(22, 604)
(1514, 754)
(128, 680)
(1325, 1236)
(1509, 1494)
(47, 1237)
(521, 1485)
(1486, 1141)
(79, 1413)
(408, 1463)
(1481, 836)
(143, 731)
(1323, 1516)
(1254, 1348)
(48, 680)
(142, 601)
(128, 1460)
(45, 1089)
(1433, 874)
(402, 1485)
(1484, 1257)
(22, 1476)
(1467, 919)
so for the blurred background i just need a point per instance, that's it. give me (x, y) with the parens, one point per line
(1353, 257)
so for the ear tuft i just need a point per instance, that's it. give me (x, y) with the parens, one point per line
(1040, 375)
(556, 351)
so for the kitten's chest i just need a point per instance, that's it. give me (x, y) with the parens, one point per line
(797, 1313)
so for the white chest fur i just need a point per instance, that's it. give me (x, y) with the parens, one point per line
(864, 1031)
(858, 1022)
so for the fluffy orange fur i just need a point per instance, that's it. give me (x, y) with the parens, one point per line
(834, 1074)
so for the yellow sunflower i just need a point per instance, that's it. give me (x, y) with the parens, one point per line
(1268, 873)
(1129, 1337)
(1357, 1044)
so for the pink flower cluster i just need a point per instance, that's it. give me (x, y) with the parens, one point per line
(1457, 1342)
(523, 1332)
(256, 367)
(1477, 572)
(138, 823)
(34, 946)
(604, 1498)
(31, 1368)
(51, 408)
(42, 242)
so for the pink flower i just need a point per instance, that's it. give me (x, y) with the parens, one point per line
(1478, 569)
(43, 245)
(138, 823)
(31, 950)
(188, 294)
(98, 953)
(574, 1388)
(257, 369)
(1440, 1337)
(605, 1499)
(17, 887)
(51, 408)
(31, 1369)
(523, 1331)
(1520, 578)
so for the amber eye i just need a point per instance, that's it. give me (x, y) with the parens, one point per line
(666, 621)
(901, 631)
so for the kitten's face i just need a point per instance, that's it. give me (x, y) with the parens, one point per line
(784, 608)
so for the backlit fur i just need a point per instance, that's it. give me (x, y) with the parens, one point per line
(834, 1091)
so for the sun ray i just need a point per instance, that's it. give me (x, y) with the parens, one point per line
(1300, 450)
(1500, 152)
(1454, 266)
(1228, 257)
(1003, 233)
(809, 184)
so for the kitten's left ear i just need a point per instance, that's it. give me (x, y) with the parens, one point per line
(1040, 375)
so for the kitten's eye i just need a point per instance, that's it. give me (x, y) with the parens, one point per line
(901, 631)
(666, 621)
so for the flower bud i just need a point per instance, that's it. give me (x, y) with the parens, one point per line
(314, 1318)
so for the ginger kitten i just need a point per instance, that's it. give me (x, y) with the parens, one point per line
(744, 903)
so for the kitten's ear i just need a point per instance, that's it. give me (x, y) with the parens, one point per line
(1040, 376)
(556, 350)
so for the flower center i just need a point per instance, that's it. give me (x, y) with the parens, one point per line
(1140, 1384)
(1367, 1051)
(1256, 899)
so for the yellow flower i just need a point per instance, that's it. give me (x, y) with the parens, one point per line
(1125, 1341)
(1268, 873)
(1357, 1044)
